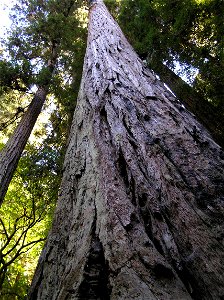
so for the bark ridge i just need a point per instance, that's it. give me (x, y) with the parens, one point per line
(140, 210)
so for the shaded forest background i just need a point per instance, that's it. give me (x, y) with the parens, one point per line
(164, 34)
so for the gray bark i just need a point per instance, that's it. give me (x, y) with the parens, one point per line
(140, 210)
(204, 111)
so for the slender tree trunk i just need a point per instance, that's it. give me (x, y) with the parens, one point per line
(140, 210)
(11, 153)
(205, 112)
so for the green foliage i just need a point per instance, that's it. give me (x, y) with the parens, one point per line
(190, 32)
(43, 76)
(113, 6)
(39, 29)
(14, 76)
(26, 217)
(12, 106)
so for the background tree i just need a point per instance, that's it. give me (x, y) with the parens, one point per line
(140, 209)
(38, 43)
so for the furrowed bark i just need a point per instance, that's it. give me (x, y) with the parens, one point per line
(140, 210)
(204, 111)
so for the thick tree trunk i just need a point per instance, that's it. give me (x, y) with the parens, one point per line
(140, 211)
(205, 112)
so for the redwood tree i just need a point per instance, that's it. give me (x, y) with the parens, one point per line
(10, 155)
(42, 39)
(140, 210)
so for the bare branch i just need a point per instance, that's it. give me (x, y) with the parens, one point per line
(18, 114)
(19, 252)
(4, 228)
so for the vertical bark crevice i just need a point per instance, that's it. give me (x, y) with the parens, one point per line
(123, 168)
(189, 282)
(95, 285)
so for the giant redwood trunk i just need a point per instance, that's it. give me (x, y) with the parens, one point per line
(140, 210)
